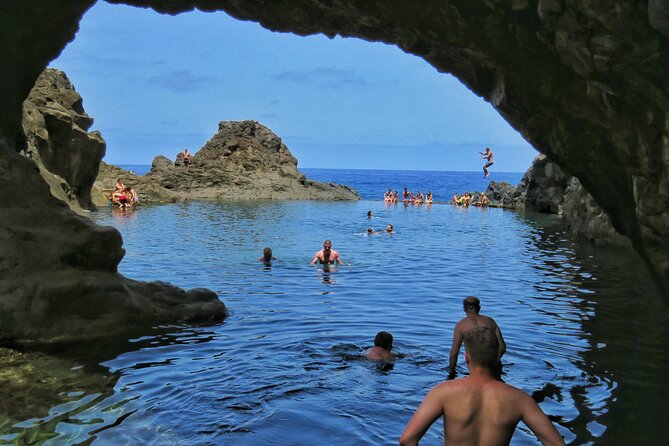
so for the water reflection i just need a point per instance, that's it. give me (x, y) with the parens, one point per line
(586, 330)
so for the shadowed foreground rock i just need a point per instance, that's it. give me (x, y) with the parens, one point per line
(244, 160)
(58, 282)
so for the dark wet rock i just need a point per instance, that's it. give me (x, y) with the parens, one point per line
(56, 126)
(586, 218)
(502, 194)
(59, 282)
(244, 160)
(545, 186)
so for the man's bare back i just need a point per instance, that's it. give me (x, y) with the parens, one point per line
(479, 410)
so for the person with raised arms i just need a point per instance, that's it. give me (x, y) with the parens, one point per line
(327, 255)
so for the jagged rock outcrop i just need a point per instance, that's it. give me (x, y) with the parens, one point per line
(60, 282)
(584, 81)
(545, 185)
(586, 218)
(244, 160)
(56, 126)
(545, 188)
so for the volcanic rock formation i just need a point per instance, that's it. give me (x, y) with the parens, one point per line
(55, 126)
(243, 161)
(584, 81)
(545, 188)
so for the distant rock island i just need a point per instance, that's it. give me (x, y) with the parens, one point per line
(244, 160)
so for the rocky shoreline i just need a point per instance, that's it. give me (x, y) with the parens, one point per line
(244, 160)
(545, 188)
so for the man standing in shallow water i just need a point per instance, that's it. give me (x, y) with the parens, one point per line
(472, 306)
(479, 410)
(327, 255)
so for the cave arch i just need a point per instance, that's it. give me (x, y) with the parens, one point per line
(584, 82)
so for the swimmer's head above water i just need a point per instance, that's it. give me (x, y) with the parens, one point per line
(384, 339)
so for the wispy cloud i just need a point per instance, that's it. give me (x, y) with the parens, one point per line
(268, 116)
(323, 77)
(181, 80)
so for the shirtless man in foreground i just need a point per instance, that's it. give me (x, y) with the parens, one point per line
(327, 255)
(472, 306)
(479, 410)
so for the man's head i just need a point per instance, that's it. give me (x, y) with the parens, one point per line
(267, 253)
(471, 303)
(327, 245)
(487, 149)
(389, 228)
(384, 339)
(370, 230)
(481, 347)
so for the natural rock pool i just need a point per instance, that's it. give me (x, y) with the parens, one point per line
(585, 327)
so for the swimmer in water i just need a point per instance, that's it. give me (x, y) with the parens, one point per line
(327, 255)
(267, 256)
(478, 409)
(383, 344)
(390, 229)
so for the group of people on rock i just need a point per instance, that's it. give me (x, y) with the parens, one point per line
(466, 200)
(123, 196)
(407, 197)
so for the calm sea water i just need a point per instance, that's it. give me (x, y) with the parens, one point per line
(586, 329)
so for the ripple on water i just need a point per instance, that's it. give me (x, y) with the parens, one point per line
(286, 367)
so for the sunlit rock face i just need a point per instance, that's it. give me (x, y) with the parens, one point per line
(584, 81)
(244, 160)
(56, 126)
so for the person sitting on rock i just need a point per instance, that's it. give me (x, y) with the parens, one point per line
(131, 195)
(120, 186)
(483, 202)
(186, 157)
(120, 198)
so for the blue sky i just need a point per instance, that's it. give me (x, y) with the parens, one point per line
(156, 84)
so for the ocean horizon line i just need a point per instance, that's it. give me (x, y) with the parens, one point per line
(354, 169)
